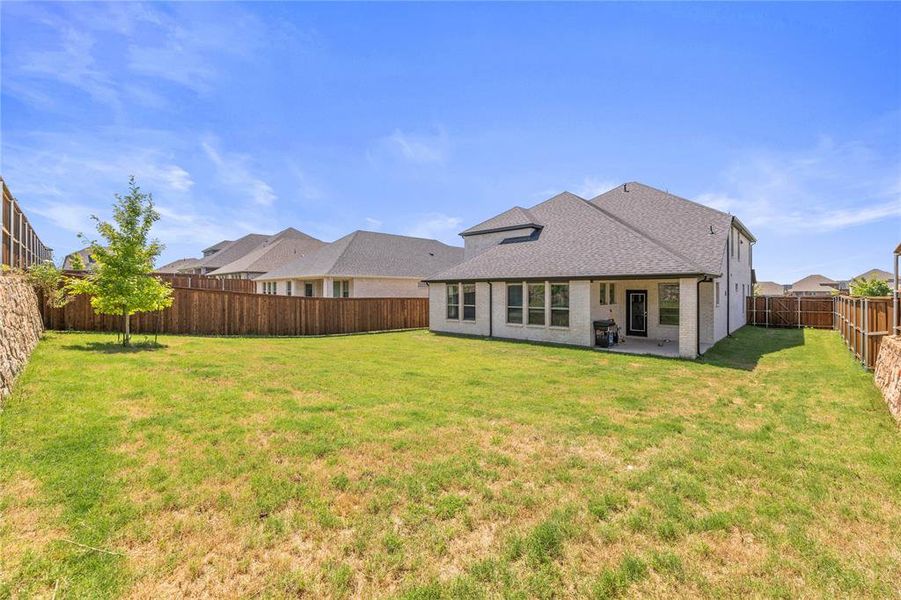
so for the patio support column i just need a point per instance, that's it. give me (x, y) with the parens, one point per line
(327, 287)
(688, 317)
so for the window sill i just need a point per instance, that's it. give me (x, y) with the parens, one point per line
(559, 327)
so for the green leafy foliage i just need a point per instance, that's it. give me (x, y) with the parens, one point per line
(121, 283)
(49, 281)
(870, 287)
(77, 262)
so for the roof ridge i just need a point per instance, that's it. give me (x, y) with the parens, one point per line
(645, 234)
(350, 237)
(669, 193)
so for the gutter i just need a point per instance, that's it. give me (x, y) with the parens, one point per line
(728, 285)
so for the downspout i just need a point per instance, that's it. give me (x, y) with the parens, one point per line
(490, 310)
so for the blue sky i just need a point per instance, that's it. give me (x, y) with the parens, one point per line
(423, 119)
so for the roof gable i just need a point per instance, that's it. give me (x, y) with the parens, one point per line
(695, 231)
(578, 239)
(515, 218)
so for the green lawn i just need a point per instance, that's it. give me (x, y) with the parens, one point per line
(418, 465)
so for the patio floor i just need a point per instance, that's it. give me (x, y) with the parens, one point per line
(639, 345)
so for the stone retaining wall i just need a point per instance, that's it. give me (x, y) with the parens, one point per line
(20, 327)
(888, 374)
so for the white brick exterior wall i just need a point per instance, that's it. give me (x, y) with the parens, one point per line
(688, 317)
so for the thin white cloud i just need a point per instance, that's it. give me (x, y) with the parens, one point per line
(415, 148)
(373, 224)
(592, 186)
(825, 188)
(436, 225)
(234, 170)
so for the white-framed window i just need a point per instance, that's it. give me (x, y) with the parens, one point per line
(716, 292)
(514, 303)
(308, 289)
(668, 303)
(603, 293)
(341, 288)
(288, 288)
(453, 301)
(611, 290)
(560, 305)
(536, 303)
(469, 301)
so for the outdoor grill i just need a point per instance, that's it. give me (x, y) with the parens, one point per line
(606, 333)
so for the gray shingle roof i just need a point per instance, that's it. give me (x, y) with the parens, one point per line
(769, 288)
(682, 225)
(813, 283)
(244, 245)
(515, 218)
(372, 254)
(271, 255)
(876, 274)
(578, 239)
(176, 265)
(217, 246)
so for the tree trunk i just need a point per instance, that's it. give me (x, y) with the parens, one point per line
(126, 339)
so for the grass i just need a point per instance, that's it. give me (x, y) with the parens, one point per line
(421, 466)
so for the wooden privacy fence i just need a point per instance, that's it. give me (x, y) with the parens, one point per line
(216, 312)
(791, 311)
(202, 282)
(192, 281)
(863, 322)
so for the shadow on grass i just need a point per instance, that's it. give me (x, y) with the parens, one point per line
(744, 349)
(116, 347)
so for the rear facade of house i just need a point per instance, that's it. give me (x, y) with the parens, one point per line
(662, 268)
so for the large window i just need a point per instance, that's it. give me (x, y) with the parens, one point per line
(288, 286)
(308, 289)
(536, 304)
(560, 304)
(469, 301)
(514, 303)
(341, 289)
(453, 301)
(669, 303)
(608, 293)
(603, 291)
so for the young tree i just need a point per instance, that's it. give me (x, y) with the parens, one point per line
(121, 283)
(870, 287)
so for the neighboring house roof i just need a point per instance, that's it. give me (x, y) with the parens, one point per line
(244, 245)
(813, 283)
(876, 274)
(86, 259)
(177, 265)
(372, 254)
(769, 288)
(639, 232)
(216, 247)
(515, 218)
(693, 230)
(271, 255)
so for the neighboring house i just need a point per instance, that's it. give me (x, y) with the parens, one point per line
(876, 274)
(813, 285)
(272, 254)
(215, 248)
(227, 252)
(182, 265)
(86, 259)
(769, 288)
(363, 264)
(664, 268)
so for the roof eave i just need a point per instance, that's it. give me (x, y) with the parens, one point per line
(572, 277)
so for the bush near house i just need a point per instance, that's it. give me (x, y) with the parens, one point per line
(420, 466)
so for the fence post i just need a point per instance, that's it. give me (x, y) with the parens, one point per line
(865, 333)
(766, 312)
(799, 311)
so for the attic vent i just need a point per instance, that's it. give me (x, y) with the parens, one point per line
(431, 254)
(711, 230)
(625, 187)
